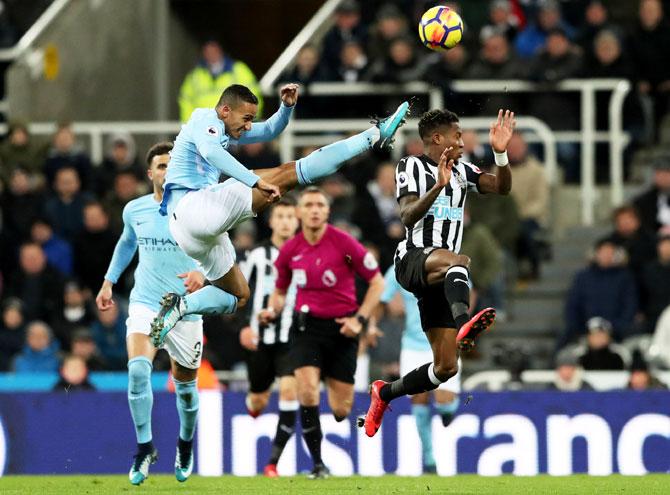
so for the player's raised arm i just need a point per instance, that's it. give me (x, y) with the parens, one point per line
(412, 206)
(499, 136)
(123, 254)
(272, 127)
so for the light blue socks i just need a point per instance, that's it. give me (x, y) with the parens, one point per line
(422, 416)
(140, 396)
(449, 407)
(210, 300)
(188, 404)
(327, 160)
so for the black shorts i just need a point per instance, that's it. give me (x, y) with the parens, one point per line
(266, 363)
(318, 342)
(434, 308)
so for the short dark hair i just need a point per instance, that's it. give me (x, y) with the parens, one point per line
(626, 209)
(236, 93)
(315, 190)
(286, 201)
(434, 119)
(158, 149)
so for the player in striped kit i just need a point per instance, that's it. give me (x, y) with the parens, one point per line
(269, 344)
(431, 191)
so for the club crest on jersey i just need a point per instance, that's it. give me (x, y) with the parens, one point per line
(329, 279)
(442, 210)
(212, 131)
(461, 181)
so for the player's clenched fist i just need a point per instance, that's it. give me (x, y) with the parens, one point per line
(289, 94)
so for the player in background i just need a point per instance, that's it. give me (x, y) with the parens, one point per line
(323, 262)
(414, 351)
(201, 211)
(162, 265)
(268, 345)
(431, 190)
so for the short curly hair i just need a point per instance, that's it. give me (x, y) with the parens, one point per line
(434, 119)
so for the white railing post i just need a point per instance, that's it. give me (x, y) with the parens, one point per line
(588, 104)
(618, 139)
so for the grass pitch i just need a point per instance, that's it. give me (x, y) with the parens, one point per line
(386, 485)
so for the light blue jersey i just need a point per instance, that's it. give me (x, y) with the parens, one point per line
(200, 153)
(413, 337)
(161, 260)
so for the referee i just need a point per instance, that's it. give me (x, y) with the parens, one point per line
(323, 262)
(268, 345)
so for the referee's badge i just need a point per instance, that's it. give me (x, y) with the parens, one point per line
(329, 279)
(369, 261)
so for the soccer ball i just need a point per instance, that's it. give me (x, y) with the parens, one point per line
(440, 28)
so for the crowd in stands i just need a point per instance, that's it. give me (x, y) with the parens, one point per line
(61, 214)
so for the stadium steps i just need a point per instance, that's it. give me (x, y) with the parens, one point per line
(535, 310)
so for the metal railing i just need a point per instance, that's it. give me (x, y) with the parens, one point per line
(588, 135)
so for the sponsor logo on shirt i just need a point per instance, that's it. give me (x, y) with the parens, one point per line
(328, 278)
(442, 210)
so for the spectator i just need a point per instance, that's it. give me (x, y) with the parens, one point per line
(569, 375)
(353, 63)
(20, 204)
(66, 153)
(600, 353)
(557, 60)
(659, 349)
(640, 376)
(596, 19)
(12, 331)
(650, 47)
(38, 285)
(529, 42)
(121, 157)
(605, 288)
(73, 375)
(109, 333)
(655, 293)
(76, 313)
(258, 155)
(501, 216)
(531, 194)
(126, 188)
(40, 353)
(607, 59)
(348, 28)
(83, 345)
(18, 150)
(486, 270)
(502, 20)
(341, 194)
(654, 204)
(474, 151)
(378, 215)
(93, 247)
(202, 87)
(308, 69)
(390, 25)
(57, 250)
(495, 61)
(443, 69)
(65, 209)
(639, 243)
(401, 64)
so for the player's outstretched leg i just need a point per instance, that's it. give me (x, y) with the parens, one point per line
(140, 401)
(188, 404)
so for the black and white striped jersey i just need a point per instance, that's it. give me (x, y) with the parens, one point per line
(260, 272)
(442, 226)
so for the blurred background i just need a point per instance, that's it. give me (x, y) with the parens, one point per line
(576, 260)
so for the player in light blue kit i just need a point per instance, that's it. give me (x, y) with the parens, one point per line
(162, 266)
(415, 350)
(201, 211)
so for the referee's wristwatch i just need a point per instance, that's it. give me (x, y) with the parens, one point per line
(363, 321)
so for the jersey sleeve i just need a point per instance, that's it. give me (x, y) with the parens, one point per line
(270, 129)
(284, 274)
(363, 262)
(407, 177)
(206, 135)
(124, 250)
(391, 286)
(472, 176)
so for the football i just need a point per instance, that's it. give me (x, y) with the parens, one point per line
(440, 28)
